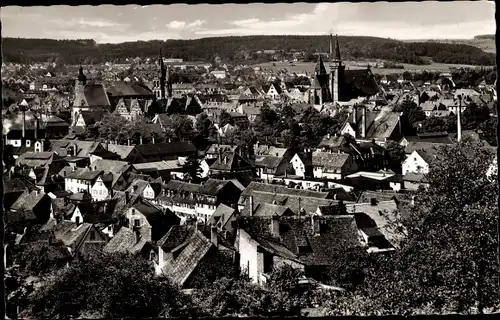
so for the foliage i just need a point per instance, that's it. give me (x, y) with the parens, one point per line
(489, 130)
(413, 114)
(182, 126)
(448, 261)
(225, 118)
(204, 126)
(396, 154)
(228, 48)
(114, 286)
(192, 170)
(474, 116)
(39, 258)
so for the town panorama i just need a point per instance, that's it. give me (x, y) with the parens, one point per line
(279, 166)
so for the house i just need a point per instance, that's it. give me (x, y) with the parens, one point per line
(32, 207)
(267, 166)
(423, 140)
(333, 143)
(163, 120)
(79, 179)
(165, 150)
(188, 264)
(375, 221)
(231, 162)
(131, 109)
(224, 219)
(126, 241)
(272, 91)
(149, 220)
(419, 161)
(200, 201)
(332, 165)
(85, 119)
(80, 238)
(310, 243)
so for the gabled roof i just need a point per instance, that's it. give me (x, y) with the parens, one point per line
(70, 233)
(119, 89)
(166, 148)
(221, 215)
(180, 268)
(362, 80)
(91, 117)
(213, 187)
(28, 200)
(270, 162)
(297, 236)
(230, 161)
(329, 160)
(423, 145)
(123, 241)
(269, 210)
(383, 126)
(175, 237)
(96, 95)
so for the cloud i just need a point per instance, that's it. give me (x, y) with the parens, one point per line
(355, 19)
(178, 25)
(92, 23)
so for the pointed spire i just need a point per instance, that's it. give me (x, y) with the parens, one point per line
(331, 45)
(337, 49)
(320, 67)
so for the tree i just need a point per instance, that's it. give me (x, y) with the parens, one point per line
(448, 260)
(396, 154)
(182, 126)
(204, 126)
(225, 118)
(112, 285)
(192, 170)
(113, 127)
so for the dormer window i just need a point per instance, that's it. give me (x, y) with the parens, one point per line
(28, 143)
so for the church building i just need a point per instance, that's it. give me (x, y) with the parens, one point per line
(340, 85)
(88, 98)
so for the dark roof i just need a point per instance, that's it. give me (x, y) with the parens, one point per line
(296, 234)
(221, 215)
(175, 237)
(28, 200)
(271, 162)
(91, 117)
(123, 241)
(119, 89)
(362, 80)
(230, 161)
(180, 268)
(166, 148)
(83, 174)
(96, 95)
(213, 187)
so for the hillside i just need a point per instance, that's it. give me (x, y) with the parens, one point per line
(236, 49)
(485, 42)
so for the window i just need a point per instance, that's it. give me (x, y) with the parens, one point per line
(137, 222)
(92, 235)
(77, 219)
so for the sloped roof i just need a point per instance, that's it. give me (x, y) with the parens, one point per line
(28, 200)
(175, 237)
(268, 161)
(361, 79)
(269, 209)
(165, 148)
(91, 117)
(70, 233)
(282, 190)
(329, 160)
(383, 126)
(122, 242)
(121, 150)
(423, 145)
(336, 233)
(230, 161)
(124, 89)
(213, 187)
(193, 251)
(332, 141)
(221, 215)
(96, 95)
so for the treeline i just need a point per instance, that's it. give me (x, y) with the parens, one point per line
(485, 36)
(239, 49)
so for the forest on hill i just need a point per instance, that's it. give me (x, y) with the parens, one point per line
(239, 49)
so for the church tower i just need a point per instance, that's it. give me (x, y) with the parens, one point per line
(79, 101)
(336, 70)
(80, 82)
(161, 74)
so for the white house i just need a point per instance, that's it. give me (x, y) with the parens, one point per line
(298, 165)
(99, 190)
(415, 163)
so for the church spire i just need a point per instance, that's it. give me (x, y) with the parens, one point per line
(337, 49)
(331, 46)
(162, 76)
(320, 67)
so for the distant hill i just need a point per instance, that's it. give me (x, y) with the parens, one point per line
(485, 36)
(237, 49)
(484, 42)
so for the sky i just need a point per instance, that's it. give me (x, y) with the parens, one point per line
(115, 24)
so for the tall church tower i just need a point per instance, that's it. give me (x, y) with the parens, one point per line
(81, 81)
(336, 70)
(161, 74)
(80, 100)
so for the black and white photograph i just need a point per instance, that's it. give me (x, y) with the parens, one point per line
(250, 160)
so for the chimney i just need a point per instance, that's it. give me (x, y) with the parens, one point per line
(250, 202)
(105, 207)
(128, 142)
(363, 123)
(213, 236)
(220, 155)
(37, 127)
(315, 224)
(127, 196)
(24, 124)
(153, 137)
(275, 225)
(75, 150)
(140, 139)
(328, 136)
(459, 119)
(355, 114)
